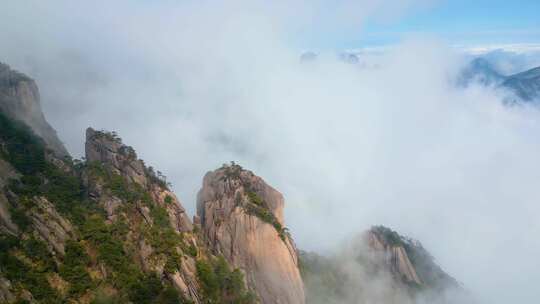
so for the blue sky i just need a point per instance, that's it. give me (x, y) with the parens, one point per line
(459, 22)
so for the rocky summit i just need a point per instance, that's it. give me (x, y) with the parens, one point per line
(20, 100)
(242, 219)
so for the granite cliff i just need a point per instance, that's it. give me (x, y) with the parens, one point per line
(379, 266)
(242, 219)
(20, 100)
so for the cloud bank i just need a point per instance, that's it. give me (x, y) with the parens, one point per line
(197, 84)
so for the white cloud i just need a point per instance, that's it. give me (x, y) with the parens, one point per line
(194, 85)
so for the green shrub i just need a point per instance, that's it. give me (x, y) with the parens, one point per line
(192, 250)
(23, 149)
(169, 295)
(38, 252)
(20, 219)
(255, 199)
(390, 236)
(74, 270)
(208, 280)
(103, 298)
(160, 217)
(95, 230)
(145, 290)
(174, 262)
(257, 207)
(18, 272)
(220, 284)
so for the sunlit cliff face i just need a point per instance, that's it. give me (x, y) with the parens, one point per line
(196, 85)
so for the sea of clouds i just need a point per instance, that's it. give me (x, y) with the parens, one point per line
(195, 84)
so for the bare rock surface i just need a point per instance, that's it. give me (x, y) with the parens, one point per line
(19, 99)
(242, 219)
(51, 226)
(408, 260)
(6, 173)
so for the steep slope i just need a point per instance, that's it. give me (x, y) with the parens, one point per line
(242, 219)
(134, 196)
(481, 71)
(407, 260)
(525, 85)
(108, 229)
(379, 266)
(19, 99)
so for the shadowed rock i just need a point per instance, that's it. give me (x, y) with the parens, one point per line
(19, 99)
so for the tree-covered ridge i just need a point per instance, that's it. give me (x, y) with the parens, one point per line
(129, 154)
(100, 260)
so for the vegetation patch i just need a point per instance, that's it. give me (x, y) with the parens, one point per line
(220, 284)
(258, 207)
(74, 270)
(388, 235)
(31, 276)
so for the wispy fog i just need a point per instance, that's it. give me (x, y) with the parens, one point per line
(193, 85)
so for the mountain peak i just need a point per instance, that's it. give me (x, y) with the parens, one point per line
(242, 219)
(20, 100)
(408, 260)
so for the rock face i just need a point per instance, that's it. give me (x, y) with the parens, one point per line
(106, 229)
(6, 173)
(50, 225)
(242, 219)
(395, 257)
(379, 266)
(407, 260)
(524, 86)
(19, 99)
(107, 149)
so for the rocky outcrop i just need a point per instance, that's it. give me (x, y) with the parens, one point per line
(107, 150)
(378, 266)
(19, 99)
(120, 164)
(394, 255)
(6, 296)
(407, 260)
(104, 229)
(6, 173)
(50, 225)
(242, 218)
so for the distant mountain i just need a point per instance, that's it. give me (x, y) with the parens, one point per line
(399, 269)
(481, 71)
(19, 100)
(308, 57)
(349, 58)
(346, 57)
(524, 86)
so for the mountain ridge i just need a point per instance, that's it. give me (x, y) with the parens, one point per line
(108, 229)
(525, 86)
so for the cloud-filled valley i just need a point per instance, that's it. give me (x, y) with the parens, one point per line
(395, 142)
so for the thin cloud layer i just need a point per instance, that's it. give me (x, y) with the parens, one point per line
(195, 85)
